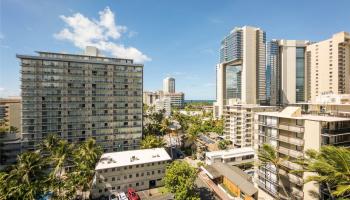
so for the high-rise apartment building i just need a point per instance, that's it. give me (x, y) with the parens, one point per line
(286, 63)
(169, 85)
(328, 66)
(239, 123)
(81, 96)
(292, 133)
(241, 72)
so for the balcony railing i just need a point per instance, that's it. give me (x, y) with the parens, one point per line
(292, 128)
(290, 152)
(291, 140)
(291, 165)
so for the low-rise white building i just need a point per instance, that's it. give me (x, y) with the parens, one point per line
(137, 169)
(230, 156)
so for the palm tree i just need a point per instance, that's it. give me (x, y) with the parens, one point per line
(330, 167)
(60, 158)
(151, 141)
(85, 159)
(26, 180)
(268, 155)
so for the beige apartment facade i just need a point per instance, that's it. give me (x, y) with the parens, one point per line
(292, 133)
(10, 111)
(239, 122)
(328, 65)
(137, 169)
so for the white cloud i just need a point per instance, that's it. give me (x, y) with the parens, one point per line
(102, 33)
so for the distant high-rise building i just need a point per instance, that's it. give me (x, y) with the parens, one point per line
(169, 85)
(81, 96)
(328, 66)
(149, 97)
(242, 69)
(10, 112)
(10, 135)
(177, 99)
(273, 72)
(286, 59)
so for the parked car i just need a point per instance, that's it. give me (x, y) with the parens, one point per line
(113, 197)
(132, 194)
(122, 196)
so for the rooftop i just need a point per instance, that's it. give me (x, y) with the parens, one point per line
(295, 113)
(234, 174)
(231, 152)
(133, 157)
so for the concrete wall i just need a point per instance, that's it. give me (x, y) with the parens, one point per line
(312, 140)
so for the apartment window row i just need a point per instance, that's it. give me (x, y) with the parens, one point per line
(132, 167)
(130, 176)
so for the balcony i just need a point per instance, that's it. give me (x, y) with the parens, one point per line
(298, 193)
(292, 128)
(291, 165)
(291, 140)
(290, 152)
(291, 177)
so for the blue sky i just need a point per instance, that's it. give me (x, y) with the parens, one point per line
(177, 38)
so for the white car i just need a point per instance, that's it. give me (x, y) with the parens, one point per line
(113, 197)
(122, 196)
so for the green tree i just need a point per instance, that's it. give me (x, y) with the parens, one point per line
(85, 159)
(330, 167)
(268, 156)
(192, 134)
(223, 144)
(151, 141)
(26, 179)
(180, 180)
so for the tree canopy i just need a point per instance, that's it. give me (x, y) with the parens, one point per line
(180, 180)
(42, 172)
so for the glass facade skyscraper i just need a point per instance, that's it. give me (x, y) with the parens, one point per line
(300, 74)
(233, 82)
(231, 46)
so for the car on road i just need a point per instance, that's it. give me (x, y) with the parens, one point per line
(122, 196)
(132, 194)
(113, 197)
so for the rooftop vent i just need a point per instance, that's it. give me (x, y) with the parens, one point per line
(133, 158)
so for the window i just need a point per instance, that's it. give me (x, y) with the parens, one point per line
(130, 176)
(137, 184)
(113, 179)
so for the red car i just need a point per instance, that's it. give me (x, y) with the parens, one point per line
(132, 194)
